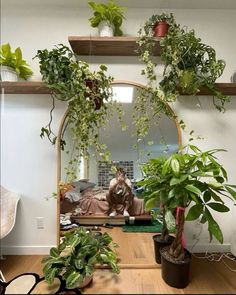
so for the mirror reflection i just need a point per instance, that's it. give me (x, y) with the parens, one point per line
(108, 189)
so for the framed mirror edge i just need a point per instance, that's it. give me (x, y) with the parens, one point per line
(58, 147)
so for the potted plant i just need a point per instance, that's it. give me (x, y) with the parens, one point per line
(190, 177)
(107, 17)
(89, 98)
(158, 24)
(152, 170)
(75, 257)
(189, 64)
(13, 66)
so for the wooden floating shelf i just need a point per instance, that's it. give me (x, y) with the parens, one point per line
(24, 87)
(107, 46)
(34, 87)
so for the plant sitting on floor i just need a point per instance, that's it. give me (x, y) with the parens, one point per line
(89, 98)
(191, 177)
(110, 13)
(74, 259)
(152, 171)
(189, 64)
(14, 61)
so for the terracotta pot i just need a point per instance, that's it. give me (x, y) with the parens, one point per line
(160, 29)
(159, 244)
(175, 273)
(85, 282)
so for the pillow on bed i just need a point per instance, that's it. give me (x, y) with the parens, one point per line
(82, 185)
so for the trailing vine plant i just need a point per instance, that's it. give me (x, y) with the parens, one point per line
(189, 64)
(89, 98)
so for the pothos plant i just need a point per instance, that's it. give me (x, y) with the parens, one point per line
(190, 178)
(89, 98)
(189, 64)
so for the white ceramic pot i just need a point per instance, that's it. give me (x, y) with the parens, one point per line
(105, 29)
(8, 74)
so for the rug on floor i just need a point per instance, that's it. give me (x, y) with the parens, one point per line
(154, 227)
(31, 283)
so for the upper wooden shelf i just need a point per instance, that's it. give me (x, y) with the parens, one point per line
(107, 46)
(33, 87)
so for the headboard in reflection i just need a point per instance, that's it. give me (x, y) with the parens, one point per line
(86, 197)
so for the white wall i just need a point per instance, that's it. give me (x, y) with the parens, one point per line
(29, 163)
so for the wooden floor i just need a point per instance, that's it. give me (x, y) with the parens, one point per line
(139, 273)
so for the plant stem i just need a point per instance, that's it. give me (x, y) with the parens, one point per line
(176, 249)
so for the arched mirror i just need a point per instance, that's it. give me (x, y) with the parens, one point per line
(85, 200)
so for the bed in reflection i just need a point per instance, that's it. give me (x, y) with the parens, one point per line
(85, 199)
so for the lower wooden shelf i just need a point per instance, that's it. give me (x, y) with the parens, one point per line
(36, 87)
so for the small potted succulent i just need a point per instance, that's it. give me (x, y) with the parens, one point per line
(75, 257)
(190, 177)
(107, 17)
(13, 66)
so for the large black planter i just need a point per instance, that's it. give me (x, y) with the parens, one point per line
(175, 273)
(159, 244)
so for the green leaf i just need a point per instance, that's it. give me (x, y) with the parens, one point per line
(218, 207)
(207, 196)
(231, 191)
(213, 226)
(170, 220)
(54, 252)
(175, 166)
(150, 204)
(193, 189)
(194, 212)
(73, 279)
(175, 180)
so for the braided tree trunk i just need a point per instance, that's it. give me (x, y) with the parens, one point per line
(165, 232)
(176, 248)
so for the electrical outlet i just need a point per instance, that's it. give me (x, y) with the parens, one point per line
(40, 222)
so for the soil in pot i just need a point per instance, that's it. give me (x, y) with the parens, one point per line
(175, 273)
(159, 244)
(161, 29)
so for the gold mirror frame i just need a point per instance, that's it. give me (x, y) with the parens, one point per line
(59, 147)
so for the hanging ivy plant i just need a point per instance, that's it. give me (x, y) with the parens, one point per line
(89, 98)
(189, 64)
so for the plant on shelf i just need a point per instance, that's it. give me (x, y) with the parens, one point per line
(110, 14)
(189, 64)
(13, 62)
(75, 257)
(89, 98)
(151, 25)
(190, 177)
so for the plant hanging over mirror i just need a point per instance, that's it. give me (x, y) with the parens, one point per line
(89, 98)
(189, 64)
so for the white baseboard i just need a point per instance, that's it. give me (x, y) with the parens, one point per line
(25, 250)
(203, 248)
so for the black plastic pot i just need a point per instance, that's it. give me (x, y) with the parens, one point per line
(175, 273)
(159, 244)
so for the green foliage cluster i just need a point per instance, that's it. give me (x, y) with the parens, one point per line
(89, 98)
(111, 13)
(189, 177)
(15, 61)
(189, 64)
(75, 257)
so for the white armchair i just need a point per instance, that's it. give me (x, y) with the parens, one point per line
(8, 208)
